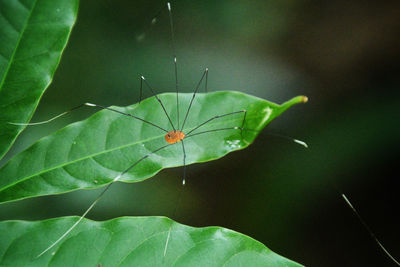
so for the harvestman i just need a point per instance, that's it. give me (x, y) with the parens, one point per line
(176, 135)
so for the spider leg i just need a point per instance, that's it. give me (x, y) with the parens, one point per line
(184, 163)
(176, 71)
(297, 141)
(190, 134)
(221, 116)
(357, 214)
(99, 197)
(349, 204)
(159, 100)
(205, 73)
(49, 120)
(88, 105)
(221, 129)
(154, 21)
(141, 90)
(179, 196)
(171, 24)
(206, 86)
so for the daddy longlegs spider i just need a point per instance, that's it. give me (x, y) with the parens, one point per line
(174, 135)
(177, 135)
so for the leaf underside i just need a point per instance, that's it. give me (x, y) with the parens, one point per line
(33, 35)
(91, 153)
(130, 241)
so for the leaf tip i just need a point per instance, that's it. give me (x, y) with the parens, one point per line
(295, 100)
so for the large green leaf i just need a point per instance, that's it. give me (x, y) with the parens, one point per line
(130, 241)
(93, 152)
(33, 35)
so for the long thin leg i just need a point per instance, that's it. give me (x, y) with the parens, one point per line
(343, 195)
(297, 141)
(159, 101)
(126, 114)
(189, 134)
(99, 197)
(142, 36)
(220, 116)
(49, 120)
(206, 86)
(171, 23)
(193, 96)
(153, 21)
(369, 230)
(89, 105)
(184, 163)
(141, 90)
(302, 143)
(179, 196)
(221, 129)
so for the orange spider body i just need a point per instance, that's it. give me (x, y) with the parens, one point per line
(174, 136)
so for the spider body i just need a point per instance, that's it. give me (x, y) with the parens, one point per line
(175, 136)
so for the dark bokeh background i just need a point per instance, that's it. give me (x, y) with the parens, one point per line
(344, 56)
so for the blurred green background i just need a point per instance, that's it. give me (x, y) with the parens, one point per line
(343, 55)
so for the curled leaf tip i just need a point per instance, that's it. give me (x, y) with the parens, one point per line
(294, 101)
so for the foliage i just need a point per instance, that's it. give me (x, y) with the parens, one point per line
(130, 241)
(93, 152)
(33, 35)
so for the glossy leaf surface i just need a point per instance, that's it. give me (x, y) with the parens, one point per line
(130, 241)
(90, 153)
(33, 35)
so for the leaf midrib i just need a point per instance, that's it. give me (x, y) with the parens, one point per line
(103, 152)
(18, 42)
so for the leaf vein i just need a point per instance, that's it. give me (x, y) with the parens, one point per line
(17, 45)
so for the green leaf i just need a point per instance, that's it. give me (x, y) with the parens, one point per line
(93, 152)
(130, 241)
(33, 35)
